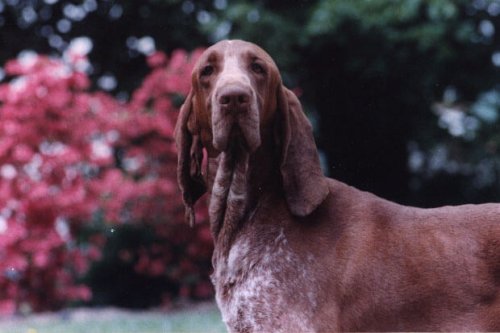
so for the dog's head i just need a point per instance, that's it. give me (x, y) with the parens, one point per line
(234, 88)
(236, 94)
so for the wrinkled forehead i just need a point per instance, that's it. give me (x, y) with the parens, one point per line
(222, 51)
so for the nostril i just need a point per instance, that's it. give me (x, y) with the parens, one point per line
(244, 98)
(224, 99)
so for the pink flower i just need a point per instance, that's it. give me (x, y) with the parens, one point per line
(157, 59)
(7, 307)
(22, 153)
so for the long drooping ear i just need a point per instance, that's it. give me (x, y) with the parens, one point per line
(304, 184)
(190, 156)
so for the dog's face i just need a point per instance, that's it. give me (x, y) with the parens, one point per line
(235, 85)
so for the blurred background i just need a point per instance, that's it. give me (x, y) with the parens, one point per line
(404, 97)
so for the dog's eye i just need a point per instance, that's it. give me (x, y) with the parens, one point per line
(207, 70)
(256, 68)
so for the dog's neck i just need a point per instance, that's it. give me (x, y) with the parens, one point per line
(238, 180)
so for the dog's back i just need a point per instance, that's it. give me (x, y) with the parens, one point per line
(381, 266)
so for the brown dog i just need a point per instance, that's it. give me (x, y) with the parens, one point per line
(298, 252)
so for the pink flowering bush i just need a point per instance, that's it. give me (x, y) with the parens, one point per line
(70, 158)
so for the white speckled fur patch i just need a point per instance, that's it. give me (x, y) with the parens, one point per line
(263, 286)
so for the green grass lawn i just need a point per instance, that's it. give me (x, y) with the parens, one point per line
(199, 318)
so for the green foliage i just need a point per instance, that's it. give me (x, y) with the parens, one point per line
(390, 15)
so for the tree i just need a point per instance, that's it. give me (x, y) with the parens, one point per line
(123, 34)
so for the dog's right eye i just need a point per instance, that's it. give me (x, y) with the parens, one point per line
(207, 70)
(257, 68)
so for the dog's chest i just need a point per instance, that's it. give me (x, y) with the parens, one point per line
(263, 286)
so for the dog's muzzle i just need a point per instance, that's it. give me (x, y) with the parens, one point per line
(235, 118)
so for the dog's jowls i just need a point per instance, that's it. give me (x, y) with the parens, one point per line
(298, 252)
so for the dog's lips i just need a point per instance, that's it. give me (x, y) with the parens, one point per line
(236, 127)
(235, 133)
(236, 138)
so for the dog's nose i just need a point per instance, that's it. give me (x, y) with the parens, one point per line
(234, 97)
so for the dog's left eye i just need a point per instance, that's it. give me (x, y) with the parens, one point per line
(207, 70)
(256, 68)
